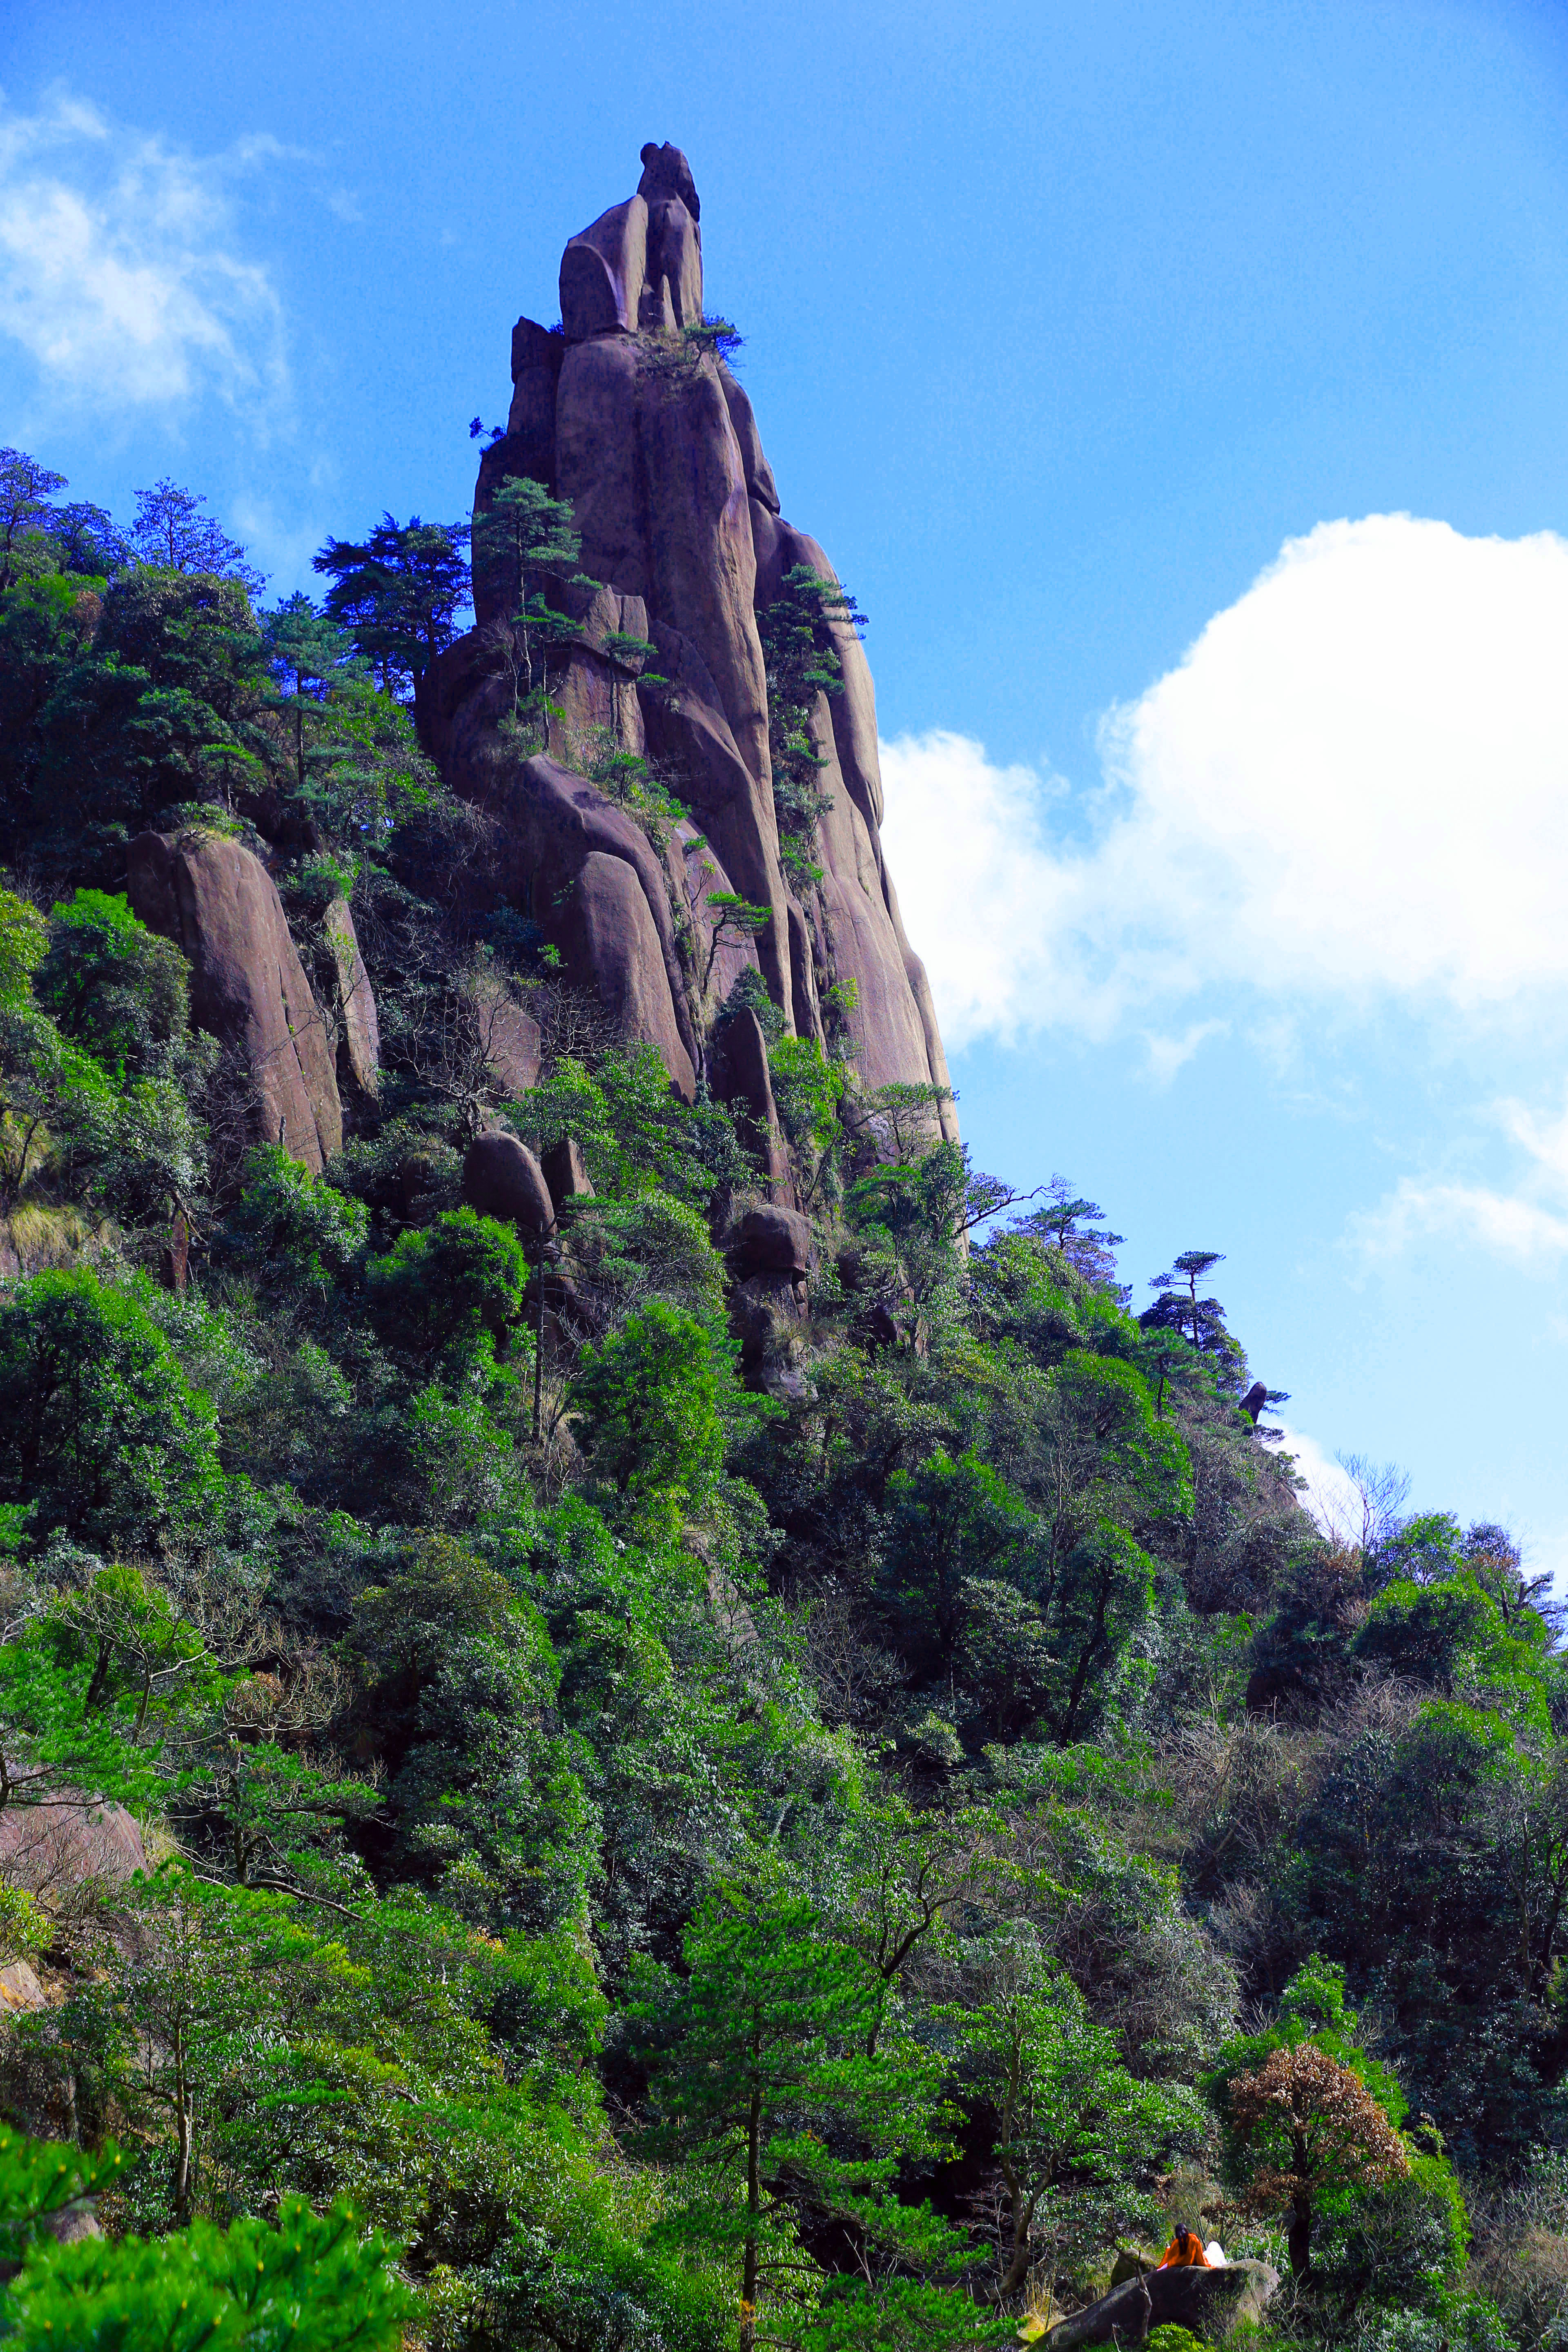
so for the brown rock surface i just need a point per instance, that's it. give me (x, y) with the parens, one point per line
(503, 1179)
(53, 1850)
(602, 272)
(773, 1241)
(610, 932)
(759, 474)
(219, 904)
(738, 1074)
(358, 1044)
(657, 448)
(674, 238)
(510, 1037)
(564, 1172)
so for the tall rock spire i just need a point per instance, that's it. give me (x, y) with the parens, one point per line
(628, 410)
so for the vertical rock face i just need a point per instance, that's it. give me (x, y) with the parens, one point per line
(220, 906)
(631, 417)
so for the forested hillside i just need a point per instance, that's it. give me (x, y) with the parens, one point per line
(706, 1719)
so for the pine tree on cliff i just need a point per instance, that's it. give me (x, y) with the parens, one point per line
(524, 540)
(801, 662)
(397, 592)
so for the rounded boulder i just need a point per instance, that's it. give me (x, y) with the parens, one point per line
(503, 1179)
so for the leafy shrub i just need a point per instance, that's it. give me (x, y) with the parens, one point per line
(446, 1284)
(99, 1427)
(294, 1227)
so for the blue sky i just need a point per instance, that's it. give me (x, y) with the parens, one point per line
(1180, 390)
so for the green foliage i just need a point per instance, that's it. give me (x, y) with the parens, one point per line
(397, 594)
(802, 659)
(313, 2281)
(165, 709)
(524, 539)
(462, 1683)
(1451, 1636)
(446, 1283)
(1071, 2118)
(293, 1227)
(22, 939)
(616, 1846)
(763, 2083)
(636, 1134)
(100, 1430)
(648, 1399)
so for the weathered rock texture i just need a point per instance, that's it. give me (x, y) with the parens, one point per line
(648, 434)
(219, 904)
(503, 1179)
(1210, 2303)
(359, 1029)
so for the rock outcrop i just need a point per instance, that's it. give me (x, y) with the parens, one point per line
(219, 904)
(1209, 2304)
(503, 1179)
(359, 1029)
(628, 412)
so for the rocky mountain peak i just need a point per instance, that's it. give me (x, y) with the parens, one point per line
(629, 414)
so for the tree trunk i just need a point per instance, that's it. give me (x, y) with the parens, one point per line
(753, 2215)
(1299, 2234)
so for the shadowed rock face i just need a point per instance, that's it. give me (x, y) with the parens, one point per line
(648, 435)
(219, 904)
(1209, 2304)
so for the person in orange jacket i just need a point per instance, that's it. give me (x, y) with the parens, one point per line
(1185, 2251)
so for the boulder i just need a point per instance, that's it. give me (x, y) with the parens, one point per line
(359, 1038)
(503, 1179)
(602, 272)
(564, 1172)
(219, 904)
(773, 1241)
(1210, 2303)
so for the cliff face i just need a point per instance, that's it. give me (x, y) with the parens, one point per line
(655, 444)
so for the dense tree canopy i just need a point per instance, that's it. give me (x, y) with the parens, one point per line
(688, 1802)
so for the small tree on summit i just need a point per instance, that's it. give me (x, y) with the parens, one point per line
(1196, 1318)
(170, 532)
(1200, 1321)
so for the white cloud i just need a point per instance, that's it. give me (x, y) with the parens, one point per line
(122, 275)
(1169, 1054)
(1331, 1494)
(1501, 1222)
(1354, 787)
(1529, 1225)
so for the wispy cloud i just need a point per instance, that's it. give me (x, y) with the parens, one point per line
(1350, 790)
(124, 279)
(1503, 1223)
(1527, 1223)
(1167, 1056)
